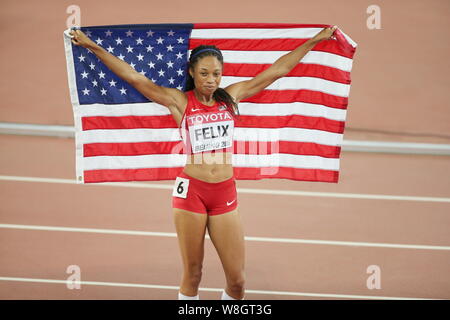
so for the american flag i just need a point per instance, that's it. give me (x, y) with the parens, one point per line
(291, 130)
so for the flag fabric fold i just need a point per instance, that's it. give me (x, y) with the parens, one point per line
(291, 130)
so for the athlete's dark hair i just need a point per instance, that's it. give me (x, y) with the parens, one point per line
(220, 94)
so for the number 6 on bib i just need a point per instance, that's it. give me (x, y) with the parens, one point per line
(181, 187)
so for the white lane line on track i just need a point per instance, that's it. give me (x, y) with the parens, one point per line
(240, 190)
(151, 286)
(258, 239)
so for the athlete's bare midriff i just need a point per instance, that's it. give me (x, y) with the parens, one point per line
(207, 166)
(210, 167)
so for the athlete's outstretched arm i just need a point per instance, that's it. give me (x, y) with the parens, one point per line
(169, 97)
(245, 89)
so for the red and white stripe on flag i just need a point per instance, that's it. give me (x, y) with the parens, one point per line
(291, 130)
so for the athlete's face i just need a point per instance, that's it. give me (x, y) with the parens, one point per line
(207, 74)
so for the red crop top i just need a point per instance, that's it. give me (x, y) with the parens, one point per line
(206, 128)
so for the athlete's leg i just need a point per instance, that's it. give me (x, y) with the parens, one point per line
(190, 228)
(227, 235)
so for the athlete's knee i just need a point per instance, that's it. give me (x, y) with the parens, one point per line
(193, 273)
(236, 283)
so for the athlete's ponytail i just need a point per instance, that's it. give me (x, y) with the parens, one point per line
(220, 95)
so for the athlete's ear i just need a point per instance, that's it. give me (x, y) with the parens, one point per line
(191, 72)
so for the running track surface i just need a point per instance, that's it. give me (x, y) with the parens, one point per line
(298, 247)
(350, 233)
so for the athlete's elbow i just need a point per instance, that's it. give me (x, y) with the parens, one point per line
(281, 68)
(134, 78)
(282, 71)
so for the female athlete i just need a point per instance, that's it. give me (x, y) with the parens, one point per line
(204, 194)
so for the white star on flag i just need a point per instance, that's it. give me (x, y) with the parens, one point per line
(112, 83)
(86, 91)
(169, 48)
(118, 41)
(110, 49)
(139, 41)
(150, 33)
(101, 75)
(159, 56)
(121, 57)
(129, 33)
(140, 57)
(170, 64)
(81, 58)
(108, 33)
(123, 91)
(149, 48)
(160, 40)
(161, 73)
(151, 65)
(103, 91)
(180, 40)
(84, 74)
(179, 55)
(129, 49)
(170, 33)
(99, 41)
(92, 66)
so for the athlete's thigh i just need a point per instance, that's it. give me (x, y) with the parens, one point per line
(191, 228)
(227, 234)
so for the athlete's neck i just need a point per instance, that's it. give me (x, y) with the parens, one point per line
(205, 99)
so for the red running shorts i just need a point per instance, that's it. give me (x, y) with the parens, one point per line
(199, 196)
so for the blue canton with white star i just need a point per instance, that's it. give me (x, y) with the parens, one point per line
(159, 52)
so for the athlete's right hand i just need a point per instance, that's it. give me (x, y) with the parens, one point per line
(80, 39)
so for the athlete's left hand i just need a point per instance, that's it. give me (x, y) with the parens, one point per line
(325, 34)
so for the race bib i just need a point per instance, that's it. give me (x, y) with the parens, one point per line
(210, 131)
(181, 187)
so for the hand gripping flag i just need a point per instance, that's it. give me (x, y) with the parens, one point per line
(291, 130)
